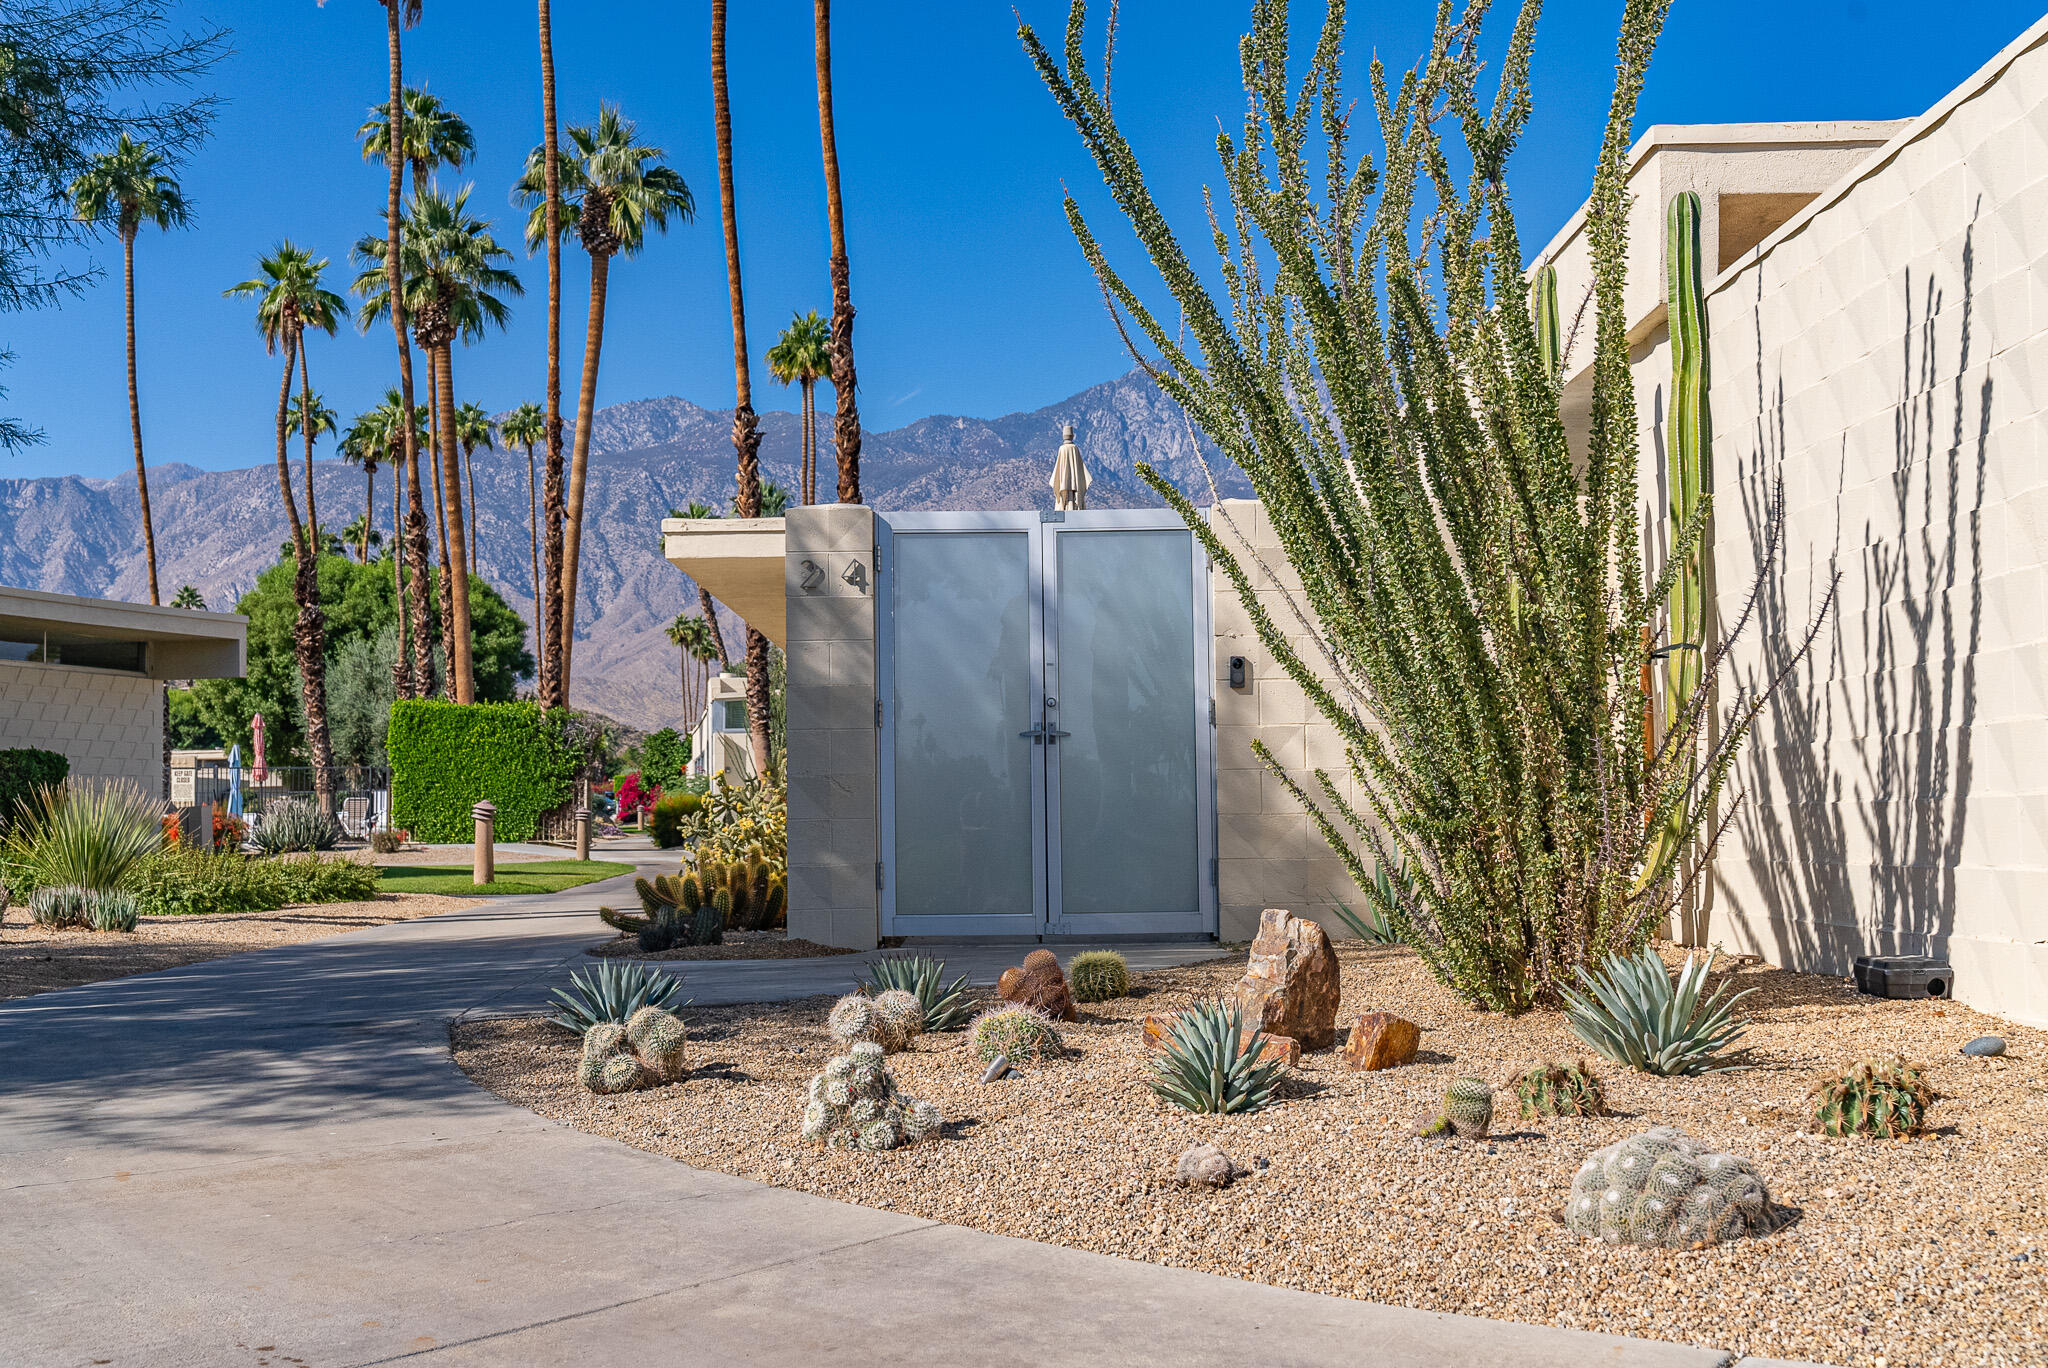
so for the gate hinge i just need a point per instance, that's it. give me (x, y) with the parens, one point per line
(1214, 871)
(1212, 712)
(878, 712)
(878, 874)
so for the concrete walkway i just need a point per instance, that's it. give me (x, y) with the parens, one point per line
(271, 1160)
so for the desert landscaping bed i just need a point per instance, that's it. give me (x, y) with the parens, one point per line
(1929, 1251)
(737, 945)
(36, 959)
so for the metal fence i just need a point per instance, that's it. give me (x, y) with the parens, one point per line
(362, 793)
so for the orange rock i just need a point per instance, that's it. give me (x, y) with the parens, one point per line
(1290, 986)
(1285, 1049)
(1039, 983)
(1380, 1040)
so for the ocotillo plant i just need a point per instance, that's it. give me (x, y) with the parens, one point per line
(1688, 440)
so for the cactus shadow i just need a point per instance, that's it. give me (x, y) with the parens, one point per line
(959, 1129)
(725, 1071)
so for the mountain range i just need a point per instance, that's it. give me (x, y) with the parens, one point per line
(218, 529)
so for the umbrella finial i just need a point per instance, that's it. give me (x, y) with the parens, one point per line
(1070, 479)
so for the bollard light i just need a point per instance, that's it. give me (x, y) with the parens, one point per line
(486, 814)
(583, 833)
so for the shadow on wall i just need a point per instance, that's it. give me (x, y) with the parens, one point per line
(1883, 737)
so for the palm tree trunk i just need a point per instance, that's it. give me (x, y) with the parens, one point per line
(846, 423)
(369, 508)
(746, 428)
(306, 427)
(309, 644)
(438, 488)
(416, 679)
(135, 411)
(810, 440)
(540, 629)
(554, 685)
(711, 620)
(579, 462)
(461, 670)
(469, 472)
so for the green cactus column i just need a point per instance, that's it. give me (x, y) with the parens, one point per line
(1688, 439)
(1543, 310)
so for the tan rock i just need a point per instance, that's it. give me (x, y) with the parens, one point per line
(1039, 983)
(1381, 1040)
(1285, 1049)
(1290, 986)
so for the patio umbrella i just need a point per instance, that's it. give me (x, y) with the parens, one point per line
(259, 772)
(1069, 476)
(235, 781)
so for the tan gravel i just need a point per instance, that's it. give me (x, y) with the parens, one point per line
(35, 959)
(1931, 1251)
(738, 945)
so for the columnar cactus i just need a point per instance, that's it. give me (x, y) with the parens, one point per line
(1887, 1097)
(1543, 310)
(1558, 1090)
(889, 1020)
(1012, 1031)
(1466, 1111)
(1098, 976)
(1666, 1190)
(646, 1052)
(855, 1103)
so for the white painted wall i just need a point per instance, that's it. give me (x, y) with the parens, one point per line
(109, 724)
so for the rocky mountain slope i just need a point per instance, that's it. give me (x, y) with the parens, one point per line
(219, 529)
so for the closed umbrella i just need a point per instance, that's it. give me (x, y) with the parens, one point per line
(235, 781)
(1069, 476)
(259, 773)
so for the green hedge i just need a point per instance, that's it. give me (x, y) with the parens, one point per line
(447, 756)
(22, 772)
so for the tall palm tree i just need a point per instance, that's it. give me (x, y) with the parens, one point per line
(527, 426)
(800, 356)
(746, 428)
(131, 186)
(189, 597)
(368, 444)
(452, 282)
(433, 136)
(554, 690)
(692, 637)
(362, 536)
(846, 422)
(289, 299)
(617, 190)
(698, 509)
(473, 429)
(312, 419)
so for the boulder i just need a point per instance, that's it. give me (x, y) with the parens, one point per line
(1290, 986)
(1285, 1049)
(1380, 1040)
(1039, 983)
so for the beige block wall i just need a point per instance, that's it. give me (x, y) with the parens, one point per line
(1888, 355)
(110, 725)
(1269, 852)
(834, 834)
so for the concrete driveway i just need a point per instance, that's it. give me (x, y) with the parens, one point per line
(271, 1160)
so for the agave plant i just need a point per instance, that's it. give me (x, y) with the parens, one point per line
(1211, 1064)
(612, 993)
(296, 824)
(87, 834)
(1634, 1013)
(946, 1006)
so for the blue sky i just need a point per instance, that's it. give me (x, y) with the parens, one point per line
(972, 296)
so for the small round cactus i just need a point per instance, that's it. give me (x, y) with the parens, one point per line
(1887, 1097)
(1558, 1090)
(608, 1065)
(901, 1016)
(1466, 1111)
(890, 1020)
(660, 1043)
(855, 1103)
(1665, 1190)
(1014, 1031)
(1098, 976)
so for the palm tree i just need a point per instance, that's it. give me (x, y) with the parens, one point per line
(527, 426)
(312, 419)
(774, 500)
(289, 299)
(131, 186)
(746, 428)
(189, 597)
(554, 691)
(800, 356)
(617, 190)
(698, 509)
(451, 281)
(433, 136)
(692, 636)
(845, 423)
(364, 446)
(363, 536)
(473, 429)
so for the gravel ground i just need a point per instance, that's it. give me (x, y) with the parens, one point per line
(35, 959)
(738, 945)
(1930, 1251)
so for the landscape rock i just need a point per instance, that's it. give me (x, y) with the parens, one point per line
(1381, 1040)
(1985, 1045)
(1285, 1049)
(1039, 983)
(1207, 1166)
(1290, 986)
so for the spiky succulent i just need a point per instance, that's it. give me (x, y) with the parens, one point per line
(60, 906)
(612, 993)
(1466, 1110)
(1561, 1090)
(1887, 1097)
(113, 909)
(946, 1005)
(889, 1020)
(1013, 1032)
(296, 824)
(1098, 976)
(1666, 1190)
(855, 1104)
(1635, 1013)
(1210, 1063)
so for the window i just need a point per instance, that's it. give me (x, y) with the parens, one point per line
(732, 715)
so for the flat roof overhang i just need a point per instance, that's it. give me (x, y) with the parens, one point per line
(739, 561)
(178, 642)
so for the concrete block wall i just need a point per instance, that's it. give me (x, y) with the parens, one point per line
(834, 830)
(1887, 354)
(1269, 852)
(110, 725)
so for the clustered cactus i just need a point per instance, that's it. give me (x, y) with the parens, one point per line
(646, 1052)
(890, 1020)
(1098, 976)
(1558, 1090)
(1466, 1111)
(1887, 1097)
(855, 1103)
(946, 1005)
(698, 906)
(1013, 1032)
(1665, 1190)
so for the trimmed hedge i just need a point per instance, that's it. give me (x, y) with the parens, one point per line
(447, 756)
(24, 771)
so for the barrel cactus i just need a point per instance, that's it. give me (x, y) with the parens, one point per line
(1665, 1190)
(855, 1104)
(1466, 1111)
(1558, 1090)
(889, 1020)
(647, 1051)
(1098, 976)
(1014, 1032)
(1887, 1097)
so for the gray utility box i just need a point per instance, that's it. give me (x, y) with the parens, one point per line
(1904, 976)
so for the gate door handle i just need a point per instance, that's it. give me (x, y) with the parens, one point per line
(1035, 735)
(1053, 738)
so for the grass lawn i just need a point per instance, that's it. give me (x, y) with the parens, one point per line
(538, 876)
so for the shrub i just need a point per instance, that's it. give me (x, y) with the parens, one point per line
(1014, 1032)
(184, 882)
(946, 1007)
(636, 798)
(1098, 976)
(665, 820)
(229, 831)
(1887, 1097)
(662, 757)
(613, 993)
(310, 879)
(1635, 1014)
(22, 773)
(385, 840)
(447, 756)
(1211, 1063)
(91, 834)
(112, 909)
(296, 824)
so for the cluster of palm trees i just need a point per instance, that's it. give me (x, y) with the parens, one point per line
(439, 276)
